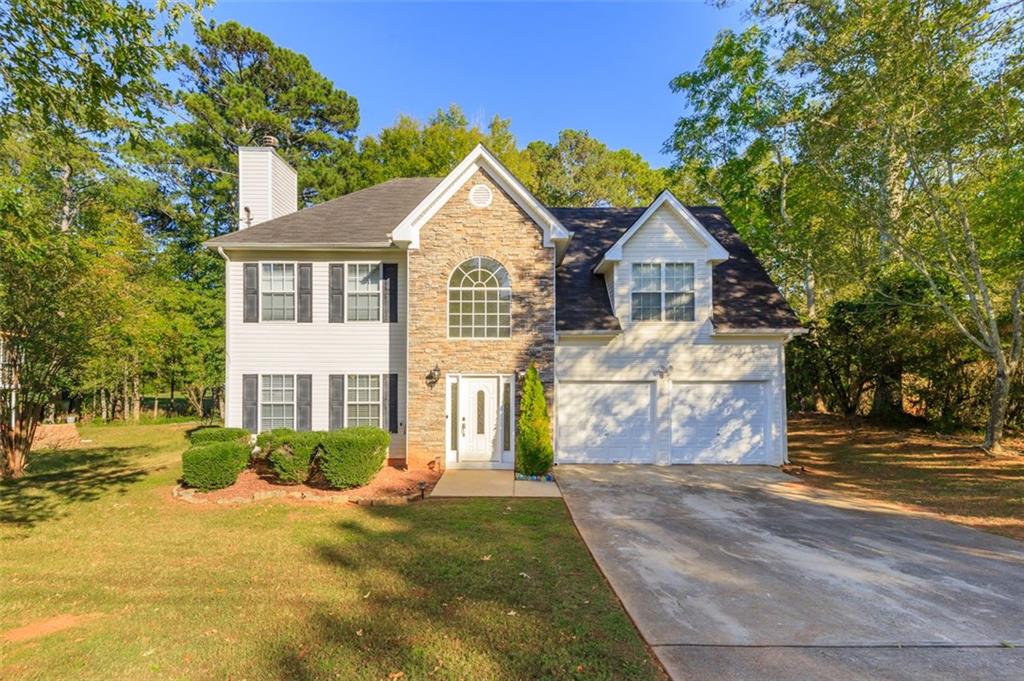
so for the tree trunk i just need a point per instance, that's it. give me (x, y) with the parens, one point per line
(997, 411)
(124, 398)
(156, 407)
(16, 439)
(887, 400)
(136, 399)
(173, 410)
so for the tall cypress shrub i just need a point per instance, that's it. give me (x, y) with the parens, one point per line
(534, 453)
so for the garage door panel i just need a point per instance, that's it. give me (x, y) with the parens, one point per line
(718, 422)
(605, 422)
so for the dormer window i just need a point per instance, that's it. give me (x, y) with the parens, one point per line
(663, 292)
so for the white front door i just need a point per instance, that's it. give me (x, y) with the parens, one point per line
(478, 419)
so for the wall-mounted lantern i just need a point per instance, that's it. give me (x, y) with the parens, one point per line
(433, 376)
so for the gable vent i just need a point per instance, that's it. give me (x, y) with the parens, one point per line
(481, 196)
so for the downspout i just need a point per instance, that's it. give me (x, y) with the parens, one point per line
(227, 332)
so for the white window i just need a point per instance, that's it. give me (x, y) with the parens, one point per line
(278, 291)
(663, 292)
(363, 291)
(362, 403)
(277, 401)
(480, 300)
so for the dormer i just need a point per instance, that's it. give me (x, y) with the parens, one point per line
(660, 270)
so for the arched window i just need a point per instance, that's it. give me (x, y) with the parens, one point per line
(479, 300)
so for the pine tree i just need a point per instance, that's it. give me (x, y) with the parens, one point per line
(534, 453)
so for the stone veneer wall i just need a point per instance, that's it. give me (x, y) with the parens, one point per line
(459, 231)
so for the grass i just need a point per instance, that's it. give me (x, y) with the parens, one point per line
(482, 589)
(944, 474)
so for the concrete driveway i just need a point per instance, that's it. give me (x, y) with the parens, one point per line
(745, 573)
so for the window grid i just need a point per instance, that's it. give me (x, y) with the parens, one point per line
(277, 401)
(362, 406)
(663, 292)
(480, 300)
(363, 292)
(679, 297)
(277, 287)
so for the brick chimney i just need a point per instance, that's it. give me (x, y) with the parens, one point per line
(267, 186)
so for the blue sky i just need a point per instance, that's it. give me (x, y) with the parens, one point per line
(602, 67)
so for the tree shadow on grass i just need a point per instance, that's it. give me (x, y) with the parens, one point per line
(59, 479)
(496, 589)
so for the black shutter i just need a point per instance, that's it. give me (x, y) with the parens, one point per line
(389, 289)
(304, 307)
(336, 402)
(304, 402)
(392, 402)
(250, 292)
(250, 402)
(337, 293)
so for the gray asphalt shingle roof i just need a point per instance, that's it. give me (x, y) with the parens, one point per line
(362, 217)
(744, 295)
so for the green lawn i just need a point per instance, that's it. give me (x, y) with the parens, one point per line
(476, 589)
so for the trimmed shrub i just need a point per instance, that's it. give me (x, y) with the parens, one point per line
(270, 438)
(215, 465)
(534, 453)
(291, 455)
(203, 436)
(351, 457)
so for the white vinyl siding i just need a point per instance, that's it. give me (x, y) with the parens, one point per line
(277, 292)
(267, 186)
(362, 400)
(319, 348)
(277, 401)
(362, 292)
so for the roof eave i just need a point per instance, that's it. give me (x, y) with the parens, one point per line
(299, 246)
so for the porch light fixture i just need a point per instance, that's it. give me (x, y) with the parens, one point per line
(433, 376)
(520, 374)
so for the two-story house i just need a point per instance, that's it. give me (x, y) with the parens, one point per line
(417, 304)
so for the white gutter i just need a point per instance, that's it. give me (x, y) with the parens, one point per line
(318, 246)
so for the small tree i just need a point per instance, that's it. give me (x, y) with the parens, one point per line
(534, 454)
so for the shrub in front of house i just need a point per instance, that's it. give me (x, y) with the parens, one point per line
(534, 453)
(351, 457)
(203, 436)
(290, 454)
(269, 438)
(215, 465)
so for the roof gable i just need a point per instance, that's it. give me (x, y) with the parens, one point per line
(716, 252)
(407, 233)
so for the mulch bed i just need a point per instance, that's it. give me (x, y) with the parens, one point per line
(390, 486)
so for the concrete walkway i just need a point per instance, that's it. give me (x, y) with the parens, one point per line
(484, 483)
(745, 573)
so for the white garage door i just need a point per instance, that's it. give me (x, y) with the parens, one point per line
(719, 422)
(605, 422)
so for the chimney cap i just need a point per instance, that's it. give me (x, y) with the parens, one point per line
(270, 141)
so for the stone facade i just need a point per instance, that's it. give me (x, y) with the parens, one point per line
(457, 232)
